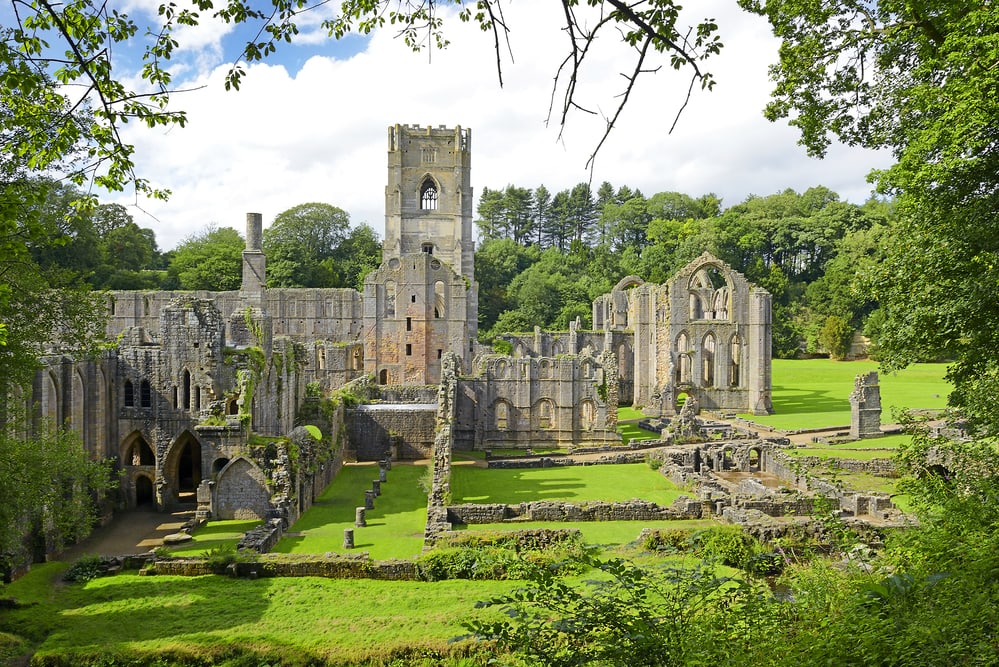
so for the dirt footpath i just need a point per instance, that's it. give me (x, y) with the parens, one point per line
(132, 532)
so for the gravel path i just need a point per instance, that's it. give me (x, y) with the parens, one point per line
(132, 532)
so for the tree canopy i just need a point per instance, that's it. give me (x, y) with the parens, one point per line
(918, 79)
(313, 245)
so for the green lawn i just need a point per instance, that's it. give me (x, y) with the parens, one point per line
(631, 432)
(212, 535)
(814, 393)
(293, 621)
(395, 527)
(572, 483)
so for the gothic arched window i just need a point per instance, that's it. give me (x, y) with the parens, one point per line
(428, 195)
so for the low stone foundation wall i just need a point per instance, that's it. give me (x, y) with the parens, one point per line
(878, 467)
(637, 456)
(553, 510)
(263, 538)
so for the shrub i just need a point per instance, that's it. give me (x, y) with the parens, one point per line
(221, 557)
(86, 568)
(836, 335)
(728, 544)
(673, 540)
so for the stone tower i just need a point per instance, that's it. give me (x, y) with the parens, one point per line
(428, 197)
(423, 300)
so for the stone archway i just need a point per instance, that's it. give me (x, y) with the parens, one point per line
(182, 470)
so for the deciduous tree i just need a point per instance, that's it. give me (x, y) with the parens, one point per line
(918, 79)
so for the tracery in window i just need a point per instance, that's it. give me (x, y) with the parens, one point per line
(428, 195)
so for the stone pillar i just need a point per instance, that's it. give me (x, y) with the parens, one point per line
(369, 500)
(359, 520)
(382, 474)
(376, 487)
(348, 538)
(865, 407)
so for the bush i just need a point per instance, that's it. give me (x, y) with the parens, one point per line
(673, 540)
(835, 336)
(727, 544)
(221, 557)
(86, 568)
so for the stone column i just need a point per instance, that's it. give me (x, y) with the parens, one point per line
(348, 538)
(359, 520)
(376, 487)
(369, 500)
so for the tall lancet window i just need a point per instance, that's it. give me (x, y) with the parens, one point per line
(428, 195)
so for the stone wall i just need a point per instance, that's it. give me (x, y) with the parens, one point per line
(554, 510)
(440, 486)
(404, 431)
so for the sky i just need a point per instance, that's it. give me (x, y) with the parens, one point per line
(310, 125)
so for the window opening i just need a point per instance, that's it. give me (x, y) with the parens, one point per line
(145, 394)
(428, 248)
(409, 324)
(409, 349)
(129, 392)
(428, 195)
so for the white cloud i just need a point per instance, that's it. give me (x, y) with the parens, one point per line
(319, 134)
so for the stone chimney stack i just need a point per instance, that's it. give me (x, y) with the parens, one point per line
(254, 230)
(254, 262)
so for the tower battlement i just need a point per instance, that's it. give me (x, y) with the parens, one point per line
(401, 136)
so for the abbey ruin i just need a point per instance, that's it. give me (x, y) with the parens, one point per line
(196, 401)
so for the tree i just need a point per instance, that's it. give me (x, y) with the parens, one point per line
(835, 336)
(209, 260)
(299, 243)
(58, 506)
(358, 255)
(918, 79)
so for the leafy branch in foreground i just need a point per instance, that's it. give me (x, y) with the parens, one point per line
(628, 615)
(67, 84)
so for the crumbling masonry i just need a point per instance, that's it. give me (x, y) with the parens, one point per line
(195, 402)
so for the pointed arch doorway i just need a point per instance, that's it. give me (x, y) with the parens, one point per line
(183, 471)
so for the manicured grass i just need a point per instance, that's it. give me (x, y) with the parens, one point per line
(395, 526)
(573, 483)
(629, 413)
(287, 621)
(814, 393)
(603, 533)
(213, 535)
(631, 432)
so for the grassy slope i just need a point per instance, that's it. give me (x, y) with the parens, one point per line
(292, 621)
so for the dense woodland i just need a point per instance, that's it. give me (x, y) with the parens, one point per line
(541, 259)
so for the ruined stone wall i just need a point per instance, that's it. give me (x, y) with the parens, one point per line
(440, 486)
(706, 333)
(416, 308)
(303, 314)
(406, 431)
(520, 401)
